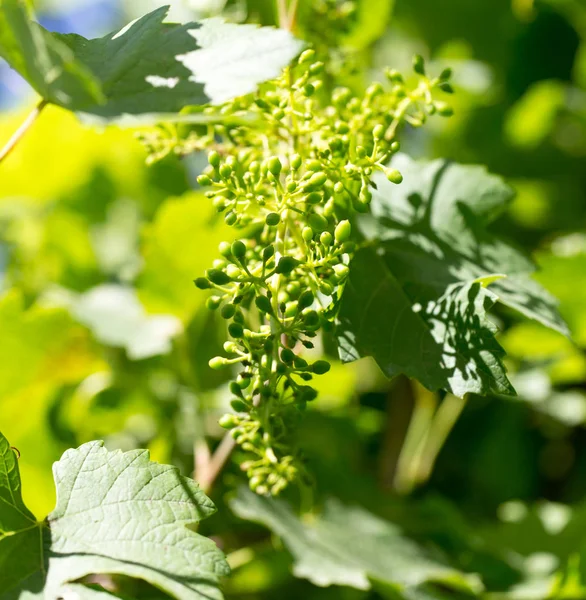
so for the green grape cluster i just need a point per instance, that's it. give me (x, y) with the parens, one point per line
(290, 177)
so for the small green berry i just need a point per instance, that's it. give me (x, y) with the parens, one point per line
(317, 222)
(307, 234)
(228, 311)
(229, 421)
(238, 249)
(274, 166)
(204, 180)
(321, 367)
(343, 231)
(306, 56)
(326, 239)
(217, 363)
(218, 276)
(419, 64)
(214, 159)
(272, 219)
(306, 299)
(263, 304)
(394, 176)
(202, 283)
(236, 330)
(286, 265)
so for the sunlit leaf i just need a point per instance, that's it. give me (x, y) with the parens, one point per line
(116, 514)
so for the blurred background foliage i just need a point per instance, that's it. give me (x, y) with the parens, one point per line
(103, 335)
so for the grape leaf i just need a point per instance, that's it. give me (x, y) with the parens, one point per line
(417, 298)
(46, 63)
(351, 547)
(116, 513)
(149, 67)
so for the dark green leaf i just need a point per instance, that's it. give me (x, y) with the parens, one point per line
(350, 546)
(416, 299)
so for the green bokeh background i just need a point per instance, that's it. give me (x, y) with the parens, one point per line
(104, 336)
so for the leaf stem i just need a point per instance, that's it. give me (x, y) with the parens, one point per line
(21, 131)
(443, 422)
(216, 463)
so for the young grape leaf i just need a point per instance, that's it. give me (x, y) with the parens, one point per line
(116, 513)
(417, 296)
(150, 67)
(351, 547)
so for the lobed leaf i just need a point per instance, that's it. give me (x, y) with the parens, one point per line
(147, 68)
(351, 547)
(417, 297)
(116, 513)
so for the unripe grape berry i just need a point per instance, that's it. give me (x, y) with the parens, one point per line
(202, 283)
(272, 219)
(213, 302)
(214, 159)
(316, 68)
(274, 166)
(228, 311)
(317, 222)
(204, 180)
(378, 131)
(326, 239)
(295, 162)
(306, 56)
(395, 147)
(326, 288)
(329, 208)
(278, 113)
(343, 231)
(394, 176)
(238, 249)
(339, 187)
(419, 64)
(311, 319)
(219, 203)
(316, 181)
(263, 304)
(229, 421)
(341, 271)
(300, 363)
(291, 186)
(443, 109)
(225, 171)
(446, 87)
(445, 74)
(230, 218)
(287, 355)
(309, 90)
(321, 367)
(308, 393)
(307, 234)
(286, 265)
(268, 253)
(238, 405)
(291, 309)
(313, 198)
(225, 249)
(236, 330)
(294, 290)
(217, 363)
(218, 277)
(306, 299)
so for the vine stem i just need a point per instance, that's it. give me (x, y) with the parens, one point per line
(216, 463)
(21, 131)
